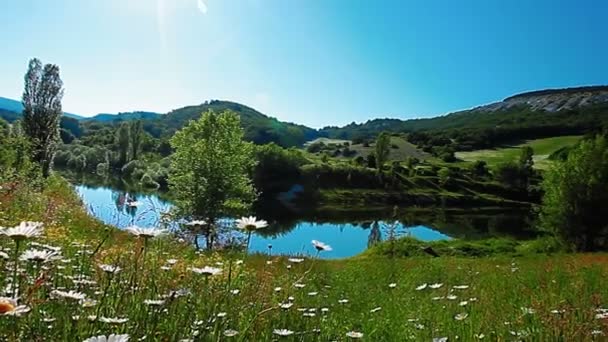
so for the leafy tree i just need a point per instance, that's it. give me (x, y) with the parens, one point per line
(382, 149)
(510, 174)
(526, 164)
(371, 160)
(576, 194)
(525, 158)
(122, 143)
(210, 170)
(41, 99)
(480, 168)
(135, 136)
(445, 175)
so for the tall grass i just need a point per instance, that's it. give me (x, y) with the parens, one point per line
(158, 295)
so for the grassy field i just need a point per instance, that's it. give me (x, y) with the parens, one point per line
(161, 292)
(542, 149)
(400, 149)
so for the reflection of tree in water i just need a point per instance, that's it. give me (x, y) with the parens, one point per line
(123, 200)
(375, 235)
(119, 198)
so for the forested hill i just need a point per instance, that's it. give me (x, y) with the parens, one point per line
(528, 115)
(258, 127)
(535, 114)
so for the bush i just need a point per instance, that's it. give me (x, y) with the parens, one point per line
(576, 194)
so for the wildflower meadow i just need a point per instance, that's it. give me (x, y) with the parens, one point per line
(67, 277)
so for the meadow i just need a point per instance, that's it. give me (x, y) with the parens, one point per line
(89, 280)
(542, 150)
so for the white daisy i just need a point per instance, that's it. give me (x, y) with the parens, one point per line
(392, 285)
(354, 334)
(9, 307)
(461, 287)
(295, 260)
(207, 270)
(375, 309)
(145, 233)
(282, 332)
(109, 268)
(68, 295)
(196, 223)
(320, 246)
(230, 333)
(436, 285)
(38, 255)
(421, 287)
(113, 320)
(109, 338)
(285, 305)
(152, 302)
(3, 255)
(250, 223)
(461, 316)
(24, 230)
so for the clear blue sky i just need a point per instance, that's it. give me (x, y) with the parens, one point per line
(316, 62)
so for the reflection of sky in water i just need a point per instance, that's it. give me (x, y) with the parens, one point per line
(345, 239)
(111, 207)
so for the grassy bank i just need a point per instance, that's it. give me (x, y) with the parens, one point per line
(157, 296)
(543, 148)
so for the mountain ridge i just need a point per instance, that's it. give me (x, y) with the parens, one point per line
(545, 104)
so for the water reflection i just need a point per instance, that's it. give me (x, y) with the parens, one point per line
(349, 231)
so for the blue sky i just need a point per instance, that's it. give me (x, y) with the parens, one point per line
(316, 62)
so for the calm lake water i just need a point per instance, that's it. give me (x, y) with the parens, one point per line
(293, 236)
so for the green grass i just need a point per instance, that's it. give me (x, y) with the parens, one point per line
(540, 298)
(542, 149)
(400, 149)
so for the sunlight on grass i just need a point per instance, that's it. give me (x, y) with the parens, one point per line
(542, 149)
(94, 280)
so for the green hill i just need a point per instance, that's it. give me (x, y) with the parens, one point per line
(258, 127)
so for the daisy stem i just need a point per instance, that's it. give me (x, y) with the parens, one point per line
(15, 259)
(248, 240)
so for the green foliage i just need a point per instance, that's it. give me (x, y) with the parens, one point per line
(382, 149)
(479, 169)
(576, 194)
(122, 143)
(210, 168)
(277, 169)
(444, 175)
(408, 247)
(42, 111)
(15, 162)
(258, 128)
(135, 136)
(511, 174)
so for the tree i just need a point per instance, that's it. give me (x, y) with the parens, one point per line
(526, 164)
(510, 174)
(41, 100)
(135, 137)
(479, 169)
(210, 170)
(382, 150)
(526, 160)
(122, 139)
(576, 193)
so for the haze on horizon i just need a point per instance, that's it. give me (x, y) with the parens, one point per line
(312, 62)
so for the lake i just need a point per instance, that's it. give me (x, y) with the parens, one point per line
(348, 234)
